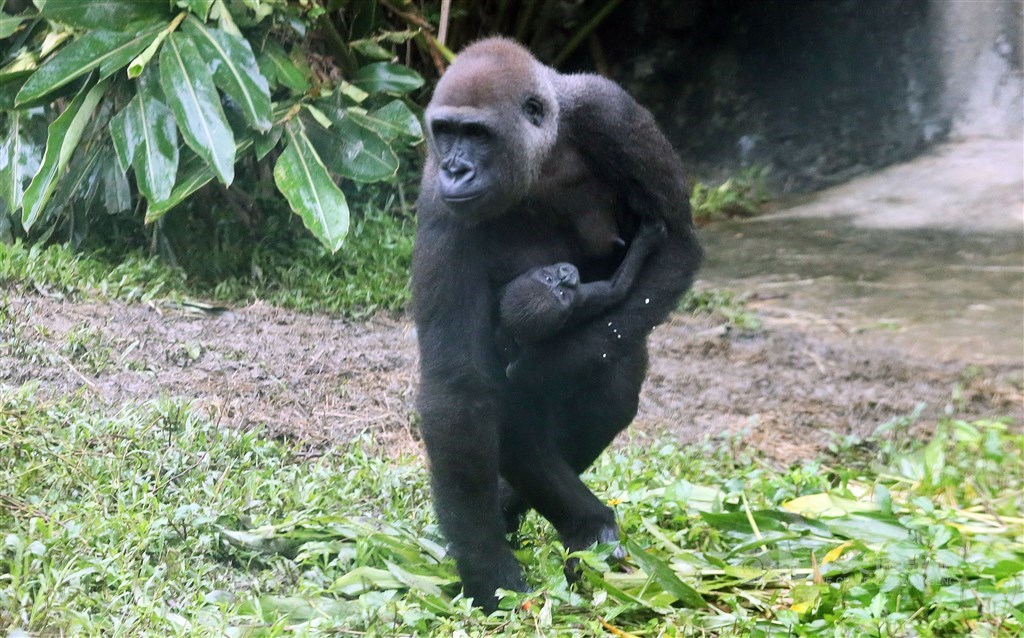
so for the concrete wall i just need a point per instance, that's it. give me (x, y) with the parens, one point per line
(980, 44)
(818, 90)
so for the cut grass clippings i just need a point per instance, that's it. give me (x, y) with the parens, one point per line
(151, 521)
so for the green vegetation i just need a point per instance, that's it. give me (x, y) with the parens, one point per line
(152, 521)
(184, 94)
(743, 195)
(145, 123)
(722, 304)
(371, 275)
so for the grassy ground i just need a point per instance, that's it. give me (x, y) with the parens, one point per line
(370, 274)
(147, 520)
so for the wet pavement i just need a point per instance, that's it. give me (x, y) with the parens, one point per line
(944, 280)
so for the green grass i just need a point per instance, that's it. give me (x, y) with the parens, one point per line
(721, 304)
(152, 521)
(369, 274)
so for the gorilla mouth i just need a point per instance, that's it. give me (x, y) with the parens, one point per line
(462, 198)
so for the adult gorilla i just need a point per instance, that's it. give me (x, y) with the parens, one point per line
(520, 158)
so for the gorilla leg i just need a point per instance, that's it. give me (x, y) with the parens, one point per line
(536, 468)
(461, 436)
(570, 433)
(513, 506)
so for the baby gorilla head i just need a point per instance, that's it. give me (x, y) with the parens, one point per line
(536, 304)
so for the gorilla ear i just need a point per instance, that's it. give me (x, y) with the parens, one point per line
(533, 109)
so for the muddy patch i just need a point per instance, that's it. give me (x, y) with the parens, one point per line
(786, 387)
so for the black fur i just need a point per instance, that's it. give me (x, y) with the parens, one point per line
(518, 155)
(549, 299)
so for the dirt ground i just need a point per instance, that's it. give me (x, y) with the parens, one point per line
(786, 387)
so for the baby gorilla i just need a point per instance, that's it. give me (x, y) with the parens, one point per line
(543, 301)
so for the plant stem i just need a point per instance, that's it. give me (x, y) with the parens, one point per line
(584, 31)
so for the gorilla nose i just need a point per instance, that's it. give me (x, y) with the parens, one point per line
(458, 170)
(568, 274)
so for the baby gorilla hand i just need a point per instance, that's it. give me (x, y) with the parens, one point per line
(651, 231)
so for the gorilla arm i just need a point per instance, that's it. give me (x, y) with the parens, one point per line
(597, 297)
(624, 148)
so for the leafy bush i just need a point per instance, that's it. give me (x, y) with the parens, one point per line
(184, 93)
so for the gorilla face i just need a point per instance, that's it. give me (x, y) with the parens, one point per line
(557, 284)
(537, 304)
(469, 152)
(491, 124)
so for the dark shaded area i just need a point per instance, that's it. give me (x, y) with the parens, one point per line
(817, 90)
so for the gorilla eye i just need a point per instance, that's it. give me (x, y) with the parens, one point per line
(533, 108)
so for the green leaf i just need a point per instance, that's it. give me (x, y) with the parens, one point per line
(19, 159)
(10, 84)
(827, 504)
(868, 529)
(193, 174)
(605, 582)
(303, 179)
(371, 49)
(124, 133)
(9, 24)
(234, 70)
(392, 122)
(1005, 568)
(354, 152)
(117, 195)
(382, 77)
(352, 92)
(428, 585)
(61, 139)
(145, 137)
(266, 142)
(80, 183)
(297, 610)
(363, 579)
(278, 67)
(318, 115)
(200, 8)
(138, 64)
(101, 14)
(106, 50)
(664, 576)
(193, 98)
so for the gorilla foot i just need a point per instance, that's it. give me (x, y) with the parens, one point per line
(481, 587)
(605, 534)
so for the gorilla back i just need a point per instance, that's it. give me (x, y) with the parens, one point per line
(519, 156)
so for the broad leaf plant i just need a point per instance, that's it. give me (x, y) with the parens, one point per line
(172, 94)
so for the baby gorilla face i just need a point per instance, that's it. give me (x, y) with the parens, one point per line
(557, 284)
(535, 305)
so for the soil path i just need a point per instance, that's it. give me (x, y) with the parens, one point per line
(810, 371)
(787, 386)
